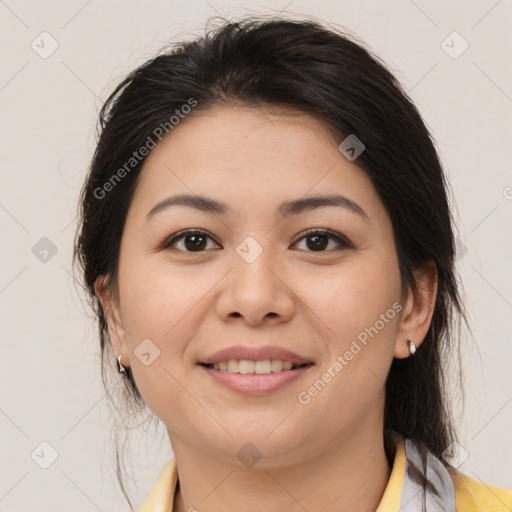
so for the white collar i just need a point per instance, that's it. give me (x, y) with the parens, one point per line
(440, 493)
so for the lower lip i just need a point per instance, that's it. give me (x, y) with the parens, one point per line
(255, 384)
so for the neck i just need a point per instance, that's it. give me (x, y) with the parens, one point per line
(351, 477)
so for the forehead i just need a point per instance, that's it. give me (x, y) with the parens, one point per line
(238, 132)
(249, 154)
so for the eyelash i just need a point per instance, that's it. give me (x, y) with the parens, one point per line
(340, 239)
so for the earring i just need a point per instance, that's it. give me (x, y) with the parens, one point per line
(121, 367)
(412, 347)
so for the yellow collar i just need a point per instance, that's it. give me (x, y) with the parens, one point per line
(161, 497)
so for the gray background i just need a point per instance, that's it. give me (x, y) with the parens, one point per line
(49, 376)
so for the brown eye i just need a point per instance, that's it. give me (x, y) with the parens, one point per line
(318, 241)
(193, 241)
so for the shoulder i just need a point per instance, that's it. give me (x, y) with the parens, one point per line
(472, 495)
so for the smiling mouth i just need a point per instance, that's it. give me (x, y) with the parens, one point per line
(246, 367)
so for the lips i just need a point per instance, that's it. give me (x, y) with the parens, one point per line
(255, 385)
(240, 352)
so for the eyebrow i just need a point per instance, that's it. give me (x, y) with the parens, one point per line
(285, 209)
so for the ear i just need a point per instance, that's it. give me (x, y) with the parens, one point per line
(116, 330)
(418, 311)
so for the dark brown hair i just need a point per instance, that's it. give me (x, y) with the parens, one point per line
(332, 76)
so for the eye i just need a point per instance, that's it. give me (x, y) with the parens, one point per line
(195, 240)
(319, 240)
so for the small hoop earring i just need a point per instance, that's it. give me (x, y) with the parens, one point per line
(121, 367)
(412, 347)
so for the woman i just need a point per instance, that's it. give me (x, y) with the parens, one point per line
(266, 237)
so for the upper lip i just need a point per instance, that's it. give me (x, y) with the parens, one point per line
(240, 352)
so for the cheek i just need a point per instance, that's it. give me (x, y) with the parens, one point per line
(158, 305)
(158, 296)
(360, 305)
(353, 298)
(358, 349)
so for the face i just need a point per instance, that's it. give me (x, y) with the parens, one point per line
(320, 280)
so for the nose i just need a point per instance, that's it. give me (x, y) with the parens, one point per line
(256, 292)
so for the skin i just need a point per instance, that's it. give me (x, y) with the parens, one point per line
(327, 455)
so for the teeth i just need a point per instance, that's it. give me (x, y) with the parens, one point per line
(246, 367)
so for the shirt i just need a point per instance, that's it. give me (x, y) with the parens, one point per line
(454, 492)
